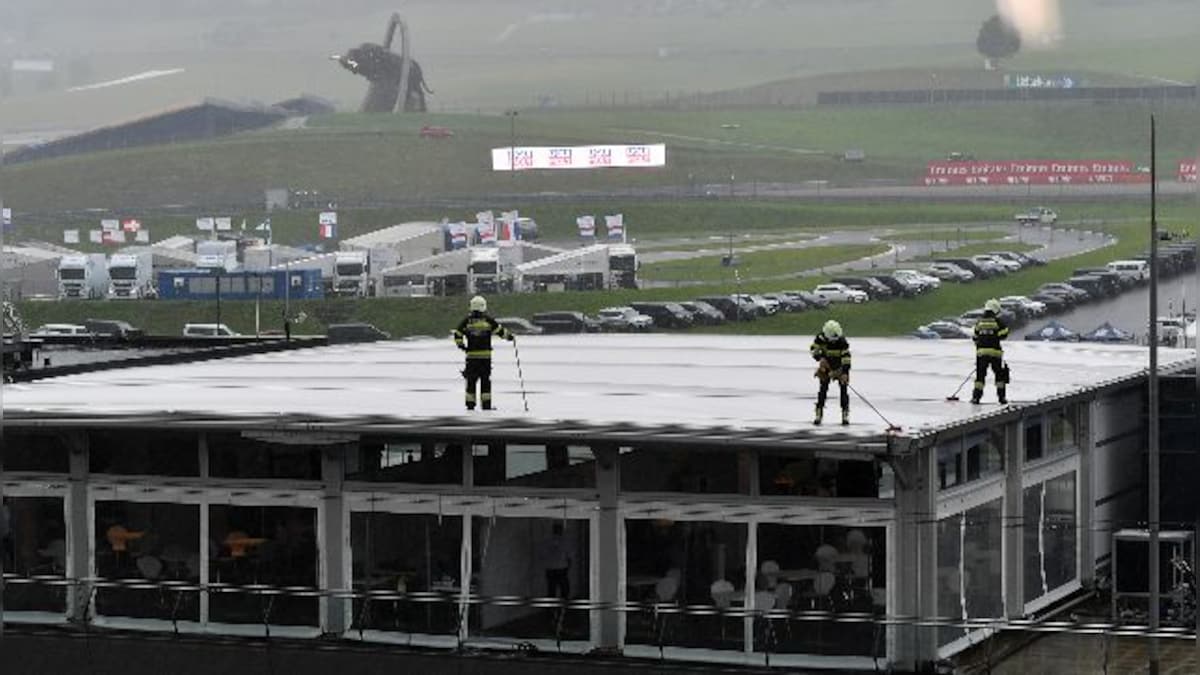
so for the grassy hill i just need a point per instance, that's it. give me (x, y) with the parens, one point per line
(363, 159)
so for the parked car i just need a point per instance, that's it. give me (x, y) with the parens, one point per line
(970, 266)
(50, 330)
(787, 303)
(1031, 307)
(1114, 282)
(208, 330)
(564, 322)
(623, 319)
(873, 289)
(950, 272)
(1054, 303)
(1076, 294)
(948, 330)
(665, 314)
(1003, 263)
(835, 292)
(112, 328)
(1138, 270)
(768, 306)
(1019, 258)
(924, 333)
(899, 289)
(518, 326)
(812, 299)
(432, 131)
(703, 313)
(925, 282)
(339, 333)
(732, 308)
(1095, 286)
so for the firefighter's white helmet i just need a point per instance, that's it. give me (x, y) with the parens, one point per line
(832, 330)
(992, 306)
(478, 304)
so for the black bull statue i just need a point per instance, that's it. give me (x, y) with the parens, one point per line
(384, 70)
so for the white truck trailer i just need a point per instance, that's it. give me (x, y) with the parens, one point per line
(83, 277)
(130, 275)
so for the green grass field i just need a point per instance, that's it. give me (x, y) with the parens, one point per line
(758, 264)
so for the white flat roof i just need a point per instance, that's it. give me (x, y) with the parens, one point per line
(699, 388)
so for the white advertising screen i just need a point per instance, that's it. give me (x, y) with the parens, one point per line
(578, 157)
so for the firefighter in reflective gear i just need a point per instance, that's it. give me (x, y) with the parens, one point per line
(989, 353)
(832, 354)
(474, 336)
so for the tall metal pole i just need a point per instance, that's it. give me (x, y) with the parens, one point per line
(3, 511)
(1153, 451)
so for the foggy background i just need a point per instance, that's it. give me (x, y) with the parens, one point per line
(493, 54)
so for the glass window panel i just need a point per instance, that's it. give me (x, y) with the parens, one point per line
(131, 451)
(822, 568)
(811, 476)
(530, 558)
(274, 546)
(1033, 440)
(35, 451)
(1064, 425)
(1060, 531)
(690, 470)
(154, 542)
(982, 562)
(232, 455)
(1031, 533)
(950, 466)
(406, 553)
(550, 466)
(203, 285)
(33, 544)
(949, 577)
(677, 563)
(396, 460)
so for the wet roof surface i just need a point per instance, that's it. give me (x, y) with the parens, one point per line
(720, 388)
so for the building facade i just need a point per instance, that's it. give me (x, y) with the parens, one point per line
(665, 499)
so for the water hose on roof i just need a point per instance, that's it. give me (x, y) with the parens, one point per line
(891, 427)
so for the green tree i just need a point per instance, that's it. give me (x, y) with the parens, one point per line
(998, 39)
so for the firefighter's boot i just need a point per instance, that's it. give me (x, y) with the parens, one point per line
(820, 412)
(845, 416)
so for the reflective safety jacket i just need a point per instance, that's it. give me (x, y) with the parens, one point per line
(988, 333)
(836, 352)
(474, 335)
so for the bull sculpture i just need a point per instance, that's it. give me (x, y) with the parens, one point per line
(388, 73)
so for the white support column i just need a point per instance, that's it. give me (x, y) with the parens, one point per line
(79, 530)
(1014, 510)
(333, 609)
(912, 579)
(608, 568)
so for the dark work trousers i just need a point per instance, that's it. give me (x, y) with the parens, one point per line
(479, 370)
(996, 363)
(558, 584)
(823, 377)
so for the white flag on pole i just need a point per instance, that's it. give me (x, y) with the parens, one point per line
(96, 236)
(142, 236)
(587, 226)
(224, 224)
(110, 225)
(615, 225)
(70, 236)
(204, 224)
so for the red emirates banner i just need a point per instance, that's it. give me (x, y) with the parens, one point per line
(1034, 172)
(1187, 171)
